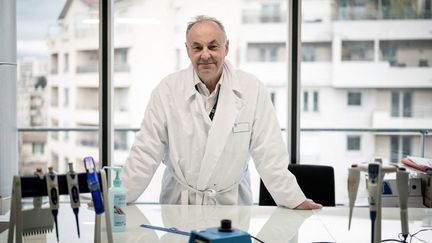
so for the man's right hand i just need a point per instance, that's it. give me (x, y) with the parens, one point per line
(308, 204)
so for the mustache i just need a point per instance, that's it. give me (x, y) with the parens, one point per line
(210, 61)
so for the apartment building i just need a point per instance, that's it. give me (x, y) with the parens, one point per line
(366, 88)
(31, 112)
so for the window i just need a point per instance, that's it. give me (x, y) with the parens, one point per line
(66, 97)
(376, 79)
(401, 104)
(266, 52)
(406, 53)
(54, 63)
(316, 52)
(314, 95)
(64, 41)
(353, 143)
(54, 43)
(354, 98)
(357, 51)
(121, 60)
(120, 141)
(270, 12)
(400, 146)
(315, 101)
(305, 100)
(38, 148)
(66, 63)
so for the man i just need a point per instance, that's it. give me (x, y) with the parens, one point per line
(203, 122)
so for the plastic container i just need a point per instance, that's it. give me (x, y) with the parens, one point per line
(117, 202)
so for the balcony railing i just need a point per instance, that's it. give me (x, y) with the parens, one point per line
(362, 13)
(88, 68)
(94, 67)
(422, 132)
(259, 16)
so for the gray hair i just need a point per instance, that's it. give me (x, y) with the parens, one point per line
(204, 18)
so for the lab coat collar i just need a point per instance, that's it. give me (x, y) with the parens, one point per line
(230, 79)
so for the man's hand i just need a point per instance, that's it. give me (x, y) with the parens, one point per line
(308, 204)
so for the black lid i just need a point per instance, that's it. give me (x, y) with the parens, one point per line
(225, 225)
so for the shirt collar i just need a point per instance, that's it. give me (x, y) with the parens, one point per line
(229, 79)
(202, 88)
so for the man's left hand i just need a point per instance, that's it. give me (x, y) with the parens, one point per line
(308, 204)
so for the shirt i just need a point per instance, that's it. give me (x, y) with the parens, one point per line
(208, 99)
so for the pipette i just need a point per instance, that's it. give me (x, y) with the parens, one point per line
(402, 177)
(72, 181)
(53, 194)
(353, 183)
(373, 188)
(93, 183)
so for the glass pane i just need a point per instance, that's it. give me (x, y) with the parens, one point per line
(256, 30)
(381, 48)
(58, 82)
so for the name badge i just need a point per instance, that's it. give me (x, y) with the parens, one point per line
(241, 127)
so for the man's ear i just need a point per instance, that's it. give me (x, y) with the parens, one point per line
(226, 47)
(187, 49)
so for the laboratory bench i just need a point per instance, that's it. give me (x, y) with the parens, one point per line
(267, 223)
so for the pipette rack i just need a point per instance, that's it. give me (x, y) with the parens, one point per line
(33, 186)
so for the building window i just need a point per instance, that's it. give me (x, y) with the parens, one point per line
(38, 148)
(314, 95)
(403, 53)
(354, 98)
(305, 100)
(353, 143)
(54, 63)
(315, 101)
(316, 52)
(400, 146)
(120, 141)
(66, 63)
(270, 13)
(121, 60)
(401, 104)
(266, 52)
(66, 97)
(357, 50)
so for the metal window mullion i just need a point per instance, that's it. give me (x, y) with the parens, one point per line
(106, 144)
(293, 85)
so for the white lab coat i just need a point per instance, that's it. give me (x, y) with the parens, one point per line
(207, 161)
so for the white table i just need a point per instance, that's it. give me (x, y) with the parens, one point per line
(270, 224)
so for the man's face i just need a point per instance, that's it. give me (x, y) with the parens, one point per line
(207, 47)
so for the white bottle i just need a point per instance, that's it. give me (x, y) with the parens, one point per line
(117, 202)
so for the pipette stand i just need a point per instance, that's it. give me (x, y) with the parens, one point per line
(383, 170)
(33, 186)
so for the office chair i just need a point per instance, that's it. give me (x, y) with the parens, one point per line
(316, 181)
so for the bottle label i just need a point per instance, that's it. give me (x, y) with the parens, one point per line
(119, 214)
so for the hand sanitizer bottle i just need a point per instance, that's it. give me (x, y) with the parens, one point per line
(117, 202)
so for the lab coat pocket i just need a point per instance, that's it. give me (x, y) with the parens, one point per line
(241, 127)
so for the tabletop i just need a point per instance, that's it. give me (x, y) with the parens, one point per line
(269, 224)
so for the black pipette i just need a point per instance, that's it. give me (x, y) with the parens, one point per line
(72, 181)
(53, 194)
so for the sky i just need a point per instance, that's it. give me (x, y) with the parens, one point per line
(34, 18)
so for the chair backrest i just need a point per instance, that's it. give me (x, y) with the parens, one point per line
(316, 181)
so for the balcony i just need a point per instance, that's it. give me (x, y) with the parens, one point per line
(252, 16)
(87, 116)
(355, 74)
(316, 73)
(370, 13)
(87, 68)
(381, 119)
(268, 72)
